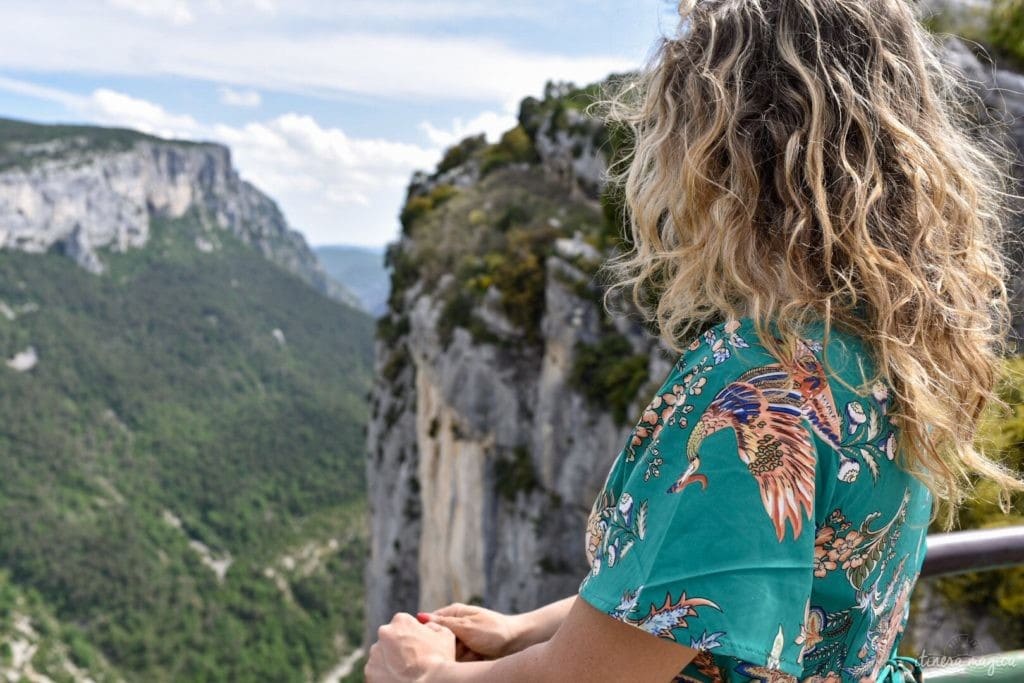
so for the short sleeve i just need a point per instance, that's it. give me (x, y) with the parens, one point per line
(704, 533)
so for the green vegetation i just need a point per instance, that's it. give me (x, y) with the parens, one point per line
(23, 132)
(616, 233)
(420, 205)
(60, 648)
(23, 143)
(610, 374)
(495, 234)
(163, 393)
(518, 273)
(998, 27)
(999, 593)
(559, 99)
(515, 146)
(1006, 28)
(458, 154)
(515, 474)
(458, 312)
(357, 672)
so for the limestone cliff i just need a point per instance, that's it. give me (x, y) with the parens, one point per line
(483, 449)
(503, 390)
(85, 189)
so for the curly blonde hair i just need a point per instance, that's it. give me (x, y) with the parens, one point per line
(799, 159)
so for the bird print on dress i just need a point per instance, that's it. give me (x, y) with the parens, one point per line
(767, 408)
(819, 407)
(864, 439)
(660, 620)
(767, 419)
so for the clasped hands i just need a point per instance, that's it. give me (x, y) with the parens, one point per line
(418, 648)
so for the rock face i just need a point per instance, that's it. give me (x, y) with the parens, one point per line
(69, 193)
(480, 479)
(1002, 92)
(485, 453)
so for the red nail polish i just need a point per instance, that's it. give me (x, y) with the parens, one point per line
(422, 617)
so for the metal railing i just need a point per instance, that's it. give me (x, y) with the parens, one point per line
(960, 552)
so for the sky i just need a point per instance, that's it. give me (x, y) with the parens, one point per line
(328, 106)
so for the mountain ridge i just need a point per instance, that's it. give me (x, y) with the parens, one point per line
(361, 270)
(79, 189)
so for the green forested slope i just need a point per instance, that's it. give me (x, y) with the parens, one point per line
(184, 398)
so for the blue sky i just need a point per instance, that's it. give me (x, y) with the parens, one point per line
(328, 106)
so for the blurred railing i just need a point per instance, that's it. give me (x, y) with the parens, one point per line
(971, 551)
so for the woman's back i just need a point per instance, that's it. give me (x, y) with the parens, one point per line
(758, 513)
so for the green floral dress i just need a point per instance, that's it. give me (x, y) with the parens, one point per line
(757, 514)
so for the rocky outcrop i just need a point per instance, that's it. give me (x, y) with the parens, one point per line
(1002, 92)
(484, 455)
(482, 470)
(81, 198)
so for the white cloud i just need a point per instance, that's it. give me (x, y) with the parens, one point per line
(395, 10)
(41, 92)
(175, 11)
(335, 60)
(239, 98)
(491, 123)
(332, 186)
(225, 6)
(105, 106)
(418, 10)
(115, 108)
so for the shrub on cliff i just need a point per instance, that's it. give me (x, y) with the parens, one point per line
(457, 154)
(1006, 27)
(997, 26)
(515, 146)
(609, 374)
(420, 205)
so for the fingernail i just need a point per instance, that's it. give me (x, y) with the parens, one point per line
(422, 617)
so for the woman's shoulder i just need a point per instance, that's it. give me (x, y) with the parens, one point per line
(738, 344)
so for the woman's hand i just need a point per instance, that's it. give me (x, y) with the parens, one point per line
(481, 633)
(408, 651)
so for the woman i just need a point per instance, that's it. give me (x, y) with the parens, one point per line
(816, 229)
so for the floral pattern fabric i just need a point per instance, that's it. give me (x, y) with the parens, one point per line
(757, 514)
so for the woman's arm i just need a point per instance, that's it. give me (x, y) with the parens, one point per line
(493, 634)
(539, 625)
(588, 645)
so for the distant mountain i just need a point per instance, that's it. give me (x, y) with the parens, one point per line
(182, 445)
(83, 188)
(360, 270)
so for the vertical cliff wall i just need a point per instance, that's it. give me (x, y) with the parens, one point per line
(484, 446)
